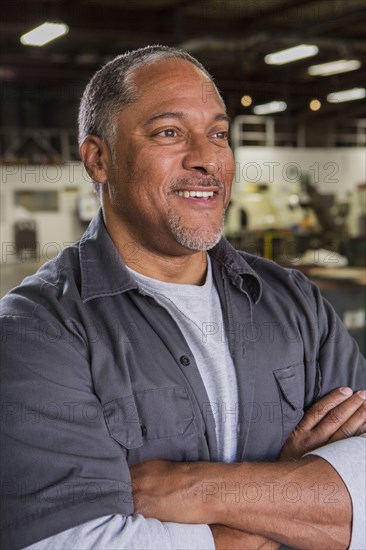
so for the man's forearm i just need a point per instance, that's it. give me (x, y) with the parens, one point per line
(303, 504)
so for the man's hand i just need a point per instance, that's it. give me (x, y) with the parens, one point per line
(338, 415)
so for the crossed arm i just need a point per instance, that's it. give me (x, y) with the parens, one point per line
(301, 502)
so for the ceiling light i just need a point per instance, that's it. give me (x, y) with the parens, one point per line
(43, 34)
(315, 105)
(334, 67)
(246, 101)
(347, 95)
(272, 107)
(291, 54)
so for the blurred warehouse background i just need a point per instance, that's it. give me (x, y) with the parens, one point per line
(298, 126)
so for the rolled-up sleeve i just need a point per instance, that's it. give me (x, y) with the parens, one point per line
(348, 458)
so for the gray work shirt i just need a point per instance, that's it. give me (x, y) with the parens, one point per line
(97, 376)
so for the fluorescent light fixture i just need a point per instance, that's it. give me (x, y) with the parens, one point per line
(43, 34)
(334, 67)
(347, 95)
(291, 54)
(272, 107)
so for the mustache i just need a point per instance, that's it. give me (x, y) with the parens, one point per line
(197, 181)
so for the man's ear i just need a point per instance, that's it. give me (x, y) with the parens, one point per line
(96, 157)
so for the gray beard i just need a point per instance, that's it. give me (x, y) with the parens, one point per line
(194, 239)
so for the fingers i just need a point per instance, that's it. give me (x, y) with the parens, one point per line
(346, 418)
(354, 424)
(339, 415)
(320, 409)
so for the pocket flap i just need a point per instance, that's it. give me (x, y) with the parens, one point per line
(123, 422)
(291, 383)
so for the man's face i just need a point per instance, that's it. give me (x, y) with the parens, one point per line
(171, 177)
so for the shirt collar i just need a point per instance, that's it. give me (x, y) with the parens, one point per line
(103, 272)
(238, 269)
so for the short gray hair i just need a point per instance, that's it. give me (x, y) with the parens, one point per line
(110, 89)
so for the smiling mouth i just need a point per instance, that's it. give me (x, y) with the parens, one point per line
(196, 194)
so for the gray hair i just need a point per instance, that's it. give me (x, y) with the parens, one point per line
(110, 89)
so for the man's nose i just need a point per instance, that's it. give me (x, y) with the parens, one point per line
(200, 156)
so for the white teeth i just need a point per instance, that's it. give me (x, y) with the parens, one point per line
(194, 194)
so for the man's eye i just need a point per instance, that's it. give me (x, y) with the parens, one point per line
(222, 135)
(169, 132)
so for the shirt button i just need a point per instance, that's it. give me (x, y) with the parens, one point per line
(184, 360)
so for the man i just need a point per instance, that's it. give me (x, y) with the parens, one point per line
(137, 344)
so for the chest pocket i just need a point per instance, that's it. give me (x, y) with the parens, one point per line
(291, 386)
(157, 423)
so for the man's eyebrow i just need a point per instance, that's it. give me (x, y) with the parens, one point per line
(222, 116)
(167, 114)
(180, 116)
